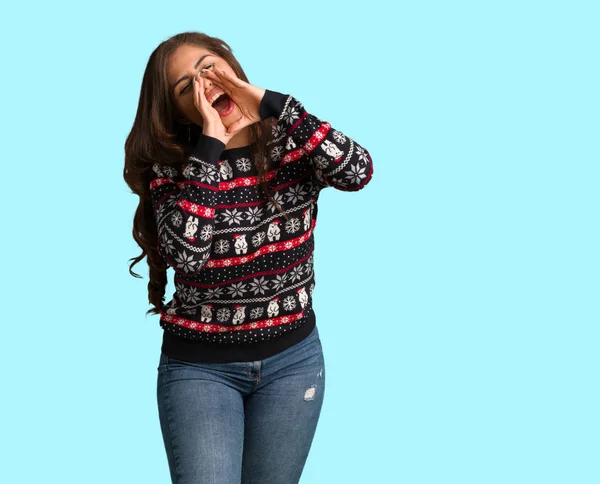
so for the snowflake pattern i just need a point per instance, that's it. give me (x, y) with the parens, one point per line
(278, 197)
(355, 174)
(320, 162)
(259, 285)
(289, 303)
(258, 238)
(164, 171)
(167, 244)
(191, 295)
(256, 313)
(207, 174)
(243, 164)
(279, 281)
(277, 130)
(296, 193)
(157, 168)
(177, 219)
(339, 136)
(277, 153)
(171, 202)
(290, 114)
(206, 232)
(231, 216)
(171, 172)
(308, 268)
(214, 293)
(237, 289)
(362, 154)
(185, 261)
(254, 214)
(223, 314)
(160, 213)
(221, 246)
(292, 225)
(296, 273)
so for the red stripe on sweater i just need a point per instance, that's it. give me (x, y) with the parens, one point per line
(182, 185)
(309, 146)
(206, 212)
(249, 276)
(265, 249)
(219, 328)
(297, 123)
(159, 182)
(236, 205)
(246, 181)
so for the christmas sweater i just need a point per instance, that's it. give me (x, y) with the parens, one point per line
(243, 273)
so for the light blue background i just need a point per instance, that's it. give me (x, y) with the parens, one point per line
(456, 295)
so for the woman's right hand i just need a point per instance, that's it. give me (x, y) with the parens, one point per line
(212, 124)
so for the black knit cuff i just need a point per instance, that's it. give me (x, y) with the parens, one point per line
(272, 104)
(208, 149)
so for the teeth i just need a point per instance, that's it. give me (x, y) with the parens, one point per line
(214, 99)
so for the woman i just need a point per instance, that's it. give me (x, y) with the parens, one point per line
(229, 175)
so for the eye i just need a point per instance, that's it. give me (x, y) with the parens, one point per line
(189, 84)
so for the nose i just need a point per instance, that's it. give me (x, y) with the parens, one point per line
(210, 87)
(207, 82)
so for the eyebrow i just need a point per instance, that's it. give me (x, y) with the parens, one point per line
(186, 76)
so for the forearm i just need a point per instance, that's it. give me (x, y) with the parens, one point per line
(185, 216)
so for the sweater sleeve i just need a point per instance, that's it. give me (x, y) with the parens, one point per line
(336, 159)
(184, 211)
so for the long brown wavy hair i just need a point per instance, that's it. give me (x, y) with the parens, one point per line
(159, 135)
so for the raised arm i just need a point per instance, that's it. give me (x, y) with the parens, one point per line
(337, 160)
(184, 211)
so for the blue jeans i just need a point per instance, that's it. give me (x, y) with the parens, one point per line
(241, 422)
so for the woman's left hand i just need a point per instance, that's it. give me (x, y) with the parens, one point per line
(245, 95)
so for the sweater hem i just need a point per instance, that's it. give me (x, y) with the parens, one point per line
(199, 351)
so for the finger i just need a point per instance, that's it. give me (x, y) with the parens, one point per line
(208, 73)
(228, 77)
(213, 77)
(217, 81)
(200, 96)
(197, 90)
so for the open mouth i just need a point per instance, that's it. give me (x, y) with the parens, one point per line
(222, 103)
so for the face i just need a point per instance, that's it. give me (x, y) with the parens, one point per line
(186, 62)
